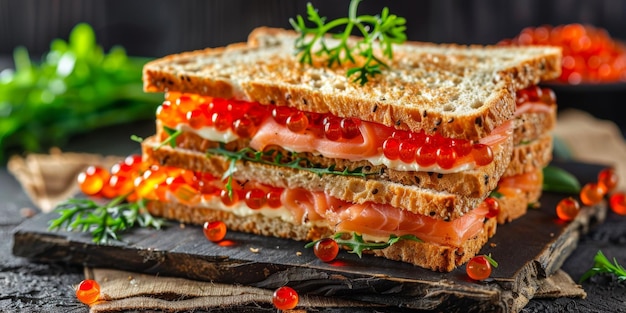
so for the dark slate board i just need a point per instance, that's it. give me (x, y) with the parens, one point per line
(527, 250)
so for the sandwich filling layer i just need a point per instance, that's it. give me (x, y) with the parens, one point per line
(267, 126)
(376, 222)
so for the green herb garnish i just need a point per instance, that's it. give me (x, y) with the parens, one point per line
(171, 139)
(556, 179)
(74, 88)
(491, 260)
(385, 29)
(357, 245)
(602, 265)
(298, 163)
(104, 222)
(496, 194)
(276, 159)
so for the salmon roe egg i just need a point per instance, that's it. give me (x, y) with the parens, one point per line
(214, 231)
(285, 298)
(478, 268)
(567, 209)
(88, 291)
(607, 180)
(617, 203)
(591, 194)
(493, 206)
(92, 180)
(326, 249)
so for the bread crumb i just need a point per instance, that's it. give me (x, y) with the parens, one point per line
(298, 253)
(27, 212)
(254, 250)
(493, 245)
(181, 226)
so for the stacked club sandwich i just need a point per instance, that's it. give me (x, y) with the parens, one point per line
(285, 149)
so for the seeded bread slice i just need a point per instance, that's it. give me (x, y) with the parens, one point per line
(530, 156)
(471, 183)
(424, 254)
(437, 204)
(532, 125)
(457, 91)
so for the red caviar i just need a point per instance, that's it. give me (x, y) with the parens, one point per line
(591, 194)
(617, 202)
(494, 207)
(326, 249)
(214, 231)
(285, 298)
(88, 291)
(590, 54)
(567, 209)
(607, 180)
(92, 180)
(478, 268)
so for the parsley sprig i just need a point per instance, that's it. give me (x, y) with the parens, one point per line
(354, 242)
(104, 222)
(385, 29)
(602, 265)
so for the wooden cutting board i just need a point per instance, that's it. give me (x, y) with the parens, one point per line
(527, 250)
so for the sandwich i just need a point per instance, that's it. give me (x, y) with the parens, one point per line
(275, 147)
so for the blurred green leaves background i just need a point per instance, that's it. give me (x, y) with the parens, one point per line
(75, 88)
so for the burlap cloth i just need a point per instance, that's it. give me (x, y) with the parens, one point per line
(50, 178)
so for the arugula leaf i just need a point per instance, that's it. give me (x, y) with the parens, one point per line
(602, 265)
(385, 29)
(355, 243)
(558, 180)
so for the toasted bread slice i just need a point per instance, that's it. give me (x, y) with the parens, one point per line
(436, 204)
(532, 125)
(428, 255)
(457, 91)
(531, 155)
(472, 183)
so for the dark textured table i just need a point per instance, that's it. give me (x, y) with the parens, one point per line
(31, 287)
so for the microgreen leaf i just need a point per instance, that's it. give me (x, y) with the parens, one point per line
(171, 139)
(556, 179)
(491, 260)
(272, 157)
(354, 242)
(278, 159)
(104, 222)
(136, 138)
(385, 29)
(602, 265)
(496, 194)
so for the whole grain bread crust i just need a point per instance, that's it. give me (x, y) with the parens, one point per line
(532, 125)
(428, 255)
(454, 90)
(529, 156)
